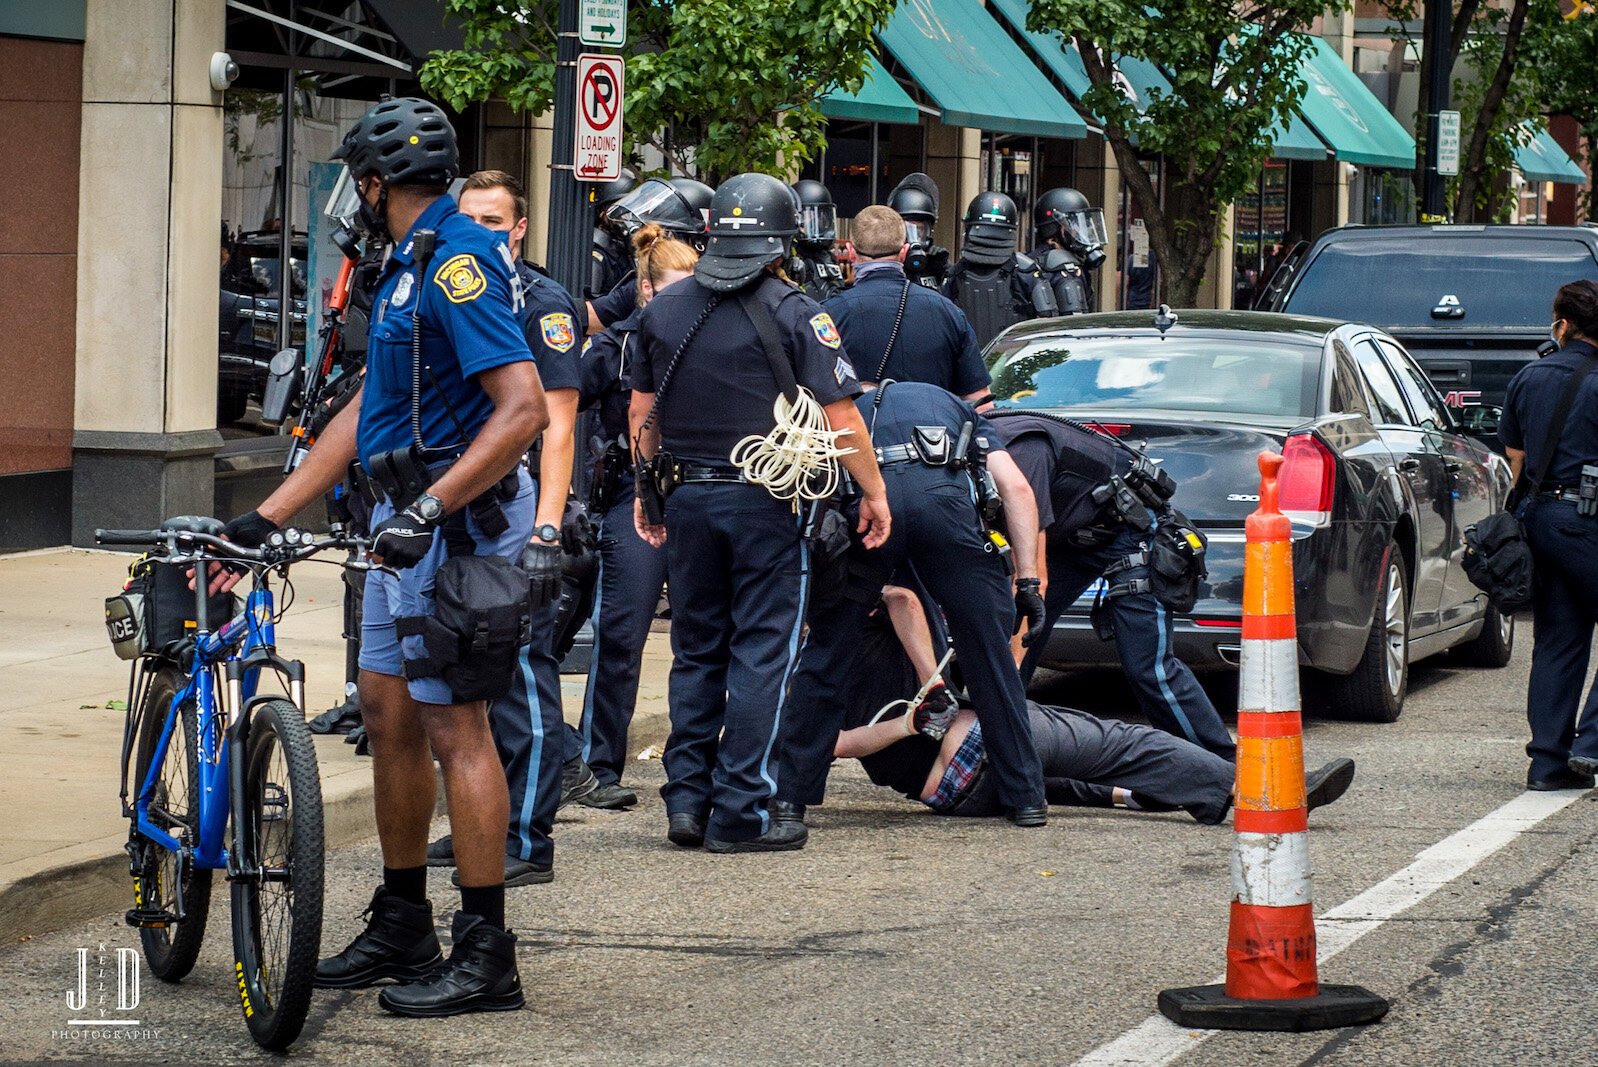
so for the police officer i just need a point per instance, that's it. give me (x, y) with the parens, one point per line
(916, 200)
(924, 437)
(703, 381)
(679, 206)
(528, 723)
(814, 268)
(611, 256)
(992, 283)
(1070, 238)
(632, 572)
(1084, 540)
(1561, 522)
(894, 329)
(450, 283)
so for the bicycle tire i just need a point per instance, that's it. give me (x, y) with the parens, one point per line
(277, 917)
(171, 951)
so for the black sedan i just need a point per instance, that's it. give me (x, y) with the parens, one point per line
(1380, 483)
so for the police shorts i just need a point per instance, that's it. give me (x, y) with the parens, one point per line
(411, 593)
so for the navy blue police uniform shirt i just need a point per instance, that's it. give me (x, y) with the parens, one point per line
(905, 405)
(1529, 406)
(554, 328)
(607, 376)
(723, 388)
(619, 303)
(1062, 464)
(936, 344)
(469, 302)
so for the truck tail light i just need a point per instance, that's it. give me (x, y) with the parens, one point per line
(1309, 475)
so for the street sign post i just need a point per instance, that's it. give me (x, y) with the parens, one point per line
(1448, 143)
(599, 106)
(603, 23)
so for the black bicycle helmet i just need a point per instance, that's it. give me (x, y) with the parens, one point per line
(403, 141)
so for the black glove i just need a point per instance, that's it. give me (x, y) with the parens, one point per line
(934, 715)
(250, 530)
(402, 540)
(541, 561)
(1029, 607)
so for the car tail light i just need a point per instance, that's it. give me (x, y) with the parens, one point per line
(1118, 429)
(1308, 478)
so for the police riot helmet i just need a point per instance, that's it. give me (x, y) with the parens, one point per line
(403, 141)
(753, 219)
(991, 222)
(818, 215)
(916, 201)
(1064, 215)
(675, 209)
(602, 196)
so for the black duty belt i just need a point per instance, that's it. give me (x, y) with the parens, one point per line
(905, 453)
(692, 474)
(1560, 492)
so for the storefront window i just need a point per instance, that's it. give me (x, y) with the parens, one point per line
(1383, 196)
(1138, 281)
(1260, 232)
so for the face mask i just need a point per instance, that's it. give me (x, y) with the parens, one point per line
(372, 219)
(501, 237)
(1553, 334)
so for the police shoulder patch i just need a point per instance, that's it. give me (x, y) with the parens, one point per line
(560, 332)
(461, 277)
(825, 329)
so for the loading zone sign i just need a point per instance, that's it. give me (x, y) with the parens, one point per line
(598, 117)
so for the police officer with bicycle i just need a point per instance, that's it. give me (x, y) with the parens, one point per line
(715, 352)
(451, 403)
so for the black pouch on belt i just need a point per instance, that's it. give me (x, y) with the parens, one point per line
(478, 627)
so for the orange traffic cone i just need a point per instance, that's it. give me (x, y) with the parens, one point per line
(1271, 977)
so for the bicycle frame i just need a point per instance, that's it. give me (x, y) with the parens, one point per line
(242, 647)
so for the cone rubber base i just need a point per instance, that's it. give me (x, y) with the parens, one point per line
(1207, 1007)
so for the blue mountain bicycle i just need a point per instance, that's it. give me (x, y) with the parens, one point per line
(225, 779)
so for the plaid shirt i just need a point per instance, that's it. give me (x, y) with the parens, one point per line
(960, 773)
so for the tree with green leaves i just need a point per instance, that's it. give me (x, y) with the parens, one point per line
(1564, 51)
(1234, 77)
(716, 86)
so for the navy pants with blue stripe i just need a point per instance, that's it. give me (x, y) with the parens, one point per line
(531, 736)
(631, 576)
(738, 590)
(1165, 687)
(935, 530)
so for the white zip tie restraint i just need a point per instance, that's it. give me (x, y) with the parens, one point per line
(914, 702)
(797, 460)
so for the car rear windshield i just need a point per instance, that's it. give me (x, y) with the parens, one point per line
(1270, 376)
(1493, 281)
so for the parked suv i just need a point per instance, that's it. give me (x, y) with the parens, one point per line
(247, 325)
(1470, 303)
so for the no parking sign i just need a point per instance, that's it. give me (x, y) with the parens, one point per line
(599, 106)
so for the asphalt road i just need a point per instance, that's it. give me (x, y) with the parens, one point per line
(898, 937)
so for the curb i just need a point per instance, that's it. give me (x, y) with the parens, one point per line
(83, 889)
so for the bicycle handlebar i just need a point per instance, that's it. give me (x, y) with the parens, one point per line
(286, 546)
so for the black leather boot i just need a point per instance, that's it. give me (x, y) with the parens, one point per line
(787, 811)
(481, 975)
(398, 943)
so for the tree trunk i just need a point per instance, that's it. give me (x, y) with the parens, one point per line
(1470, 171)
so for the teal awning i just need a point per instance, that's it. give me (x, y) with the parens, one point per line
(1541, 159)
(879, 100)
(1351, 121)
(1138, 79)
(974, 72)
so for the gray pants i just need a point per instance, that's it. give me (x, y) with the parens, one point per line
(1083, 756)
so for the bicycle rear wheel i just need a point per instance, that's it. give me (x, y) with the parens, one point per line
(168, 882)
(277, 915)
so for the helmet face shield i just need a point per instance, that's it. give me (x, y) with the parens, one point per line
(653, 201)
(1087, 227)
(344, 201)
(917, 232)
(818, 222)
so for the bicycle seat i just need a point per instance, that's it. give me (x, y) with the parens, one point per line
(193, 524)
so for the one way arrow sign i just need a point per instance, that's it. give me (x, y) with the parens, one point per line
(603, 23)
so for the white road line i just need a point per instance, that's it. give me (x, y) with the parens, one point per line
(1157, 1041)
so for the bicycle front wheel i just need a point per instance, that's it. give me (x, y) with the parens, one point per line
(168, 884)
(277, 903)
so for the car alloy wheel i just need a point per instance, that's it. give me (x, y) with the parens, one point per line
(1396, 634)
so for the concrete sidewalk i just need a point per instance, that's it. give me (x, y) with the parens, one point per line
(61, 856)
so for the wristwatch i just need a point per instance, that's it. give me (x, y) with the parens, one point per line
(547, 533)
(429, 508)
